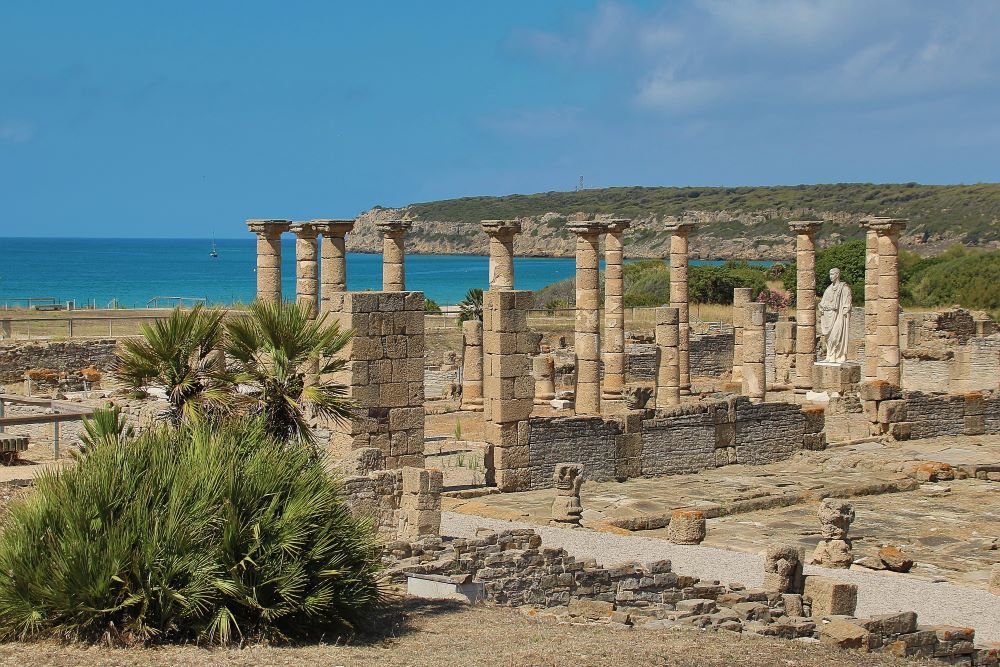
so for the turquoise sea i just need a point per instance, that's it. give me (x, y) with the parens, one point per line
(133, 271)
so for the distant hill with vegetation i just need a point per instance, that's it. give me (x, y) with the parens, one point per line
(740, 222)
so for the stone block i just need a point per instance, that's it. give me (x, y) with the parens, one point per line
(593, 610)
(511, 457)
(892, 411)
(844, 634)
(686, 526)
(518, 479)
(830, 597)
(422, 480)
(878, 390)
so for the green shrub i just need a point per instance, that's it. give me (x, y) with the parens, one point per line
(970, 279)
(207, 534)
(848, 257)
(431, 306)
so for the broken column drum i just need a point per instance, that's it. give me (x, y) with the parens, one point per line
(754, 379)
(306, 266)
(566, 507)
(668, 371)
(543, 368)
(472, 365)
(870, 365)
(888, 230)
(741, 297)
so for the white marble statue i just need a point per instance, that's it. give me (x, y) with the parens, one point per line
(835, 318)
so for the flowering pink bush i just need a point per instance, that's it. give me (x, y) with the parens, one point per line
(774, 300)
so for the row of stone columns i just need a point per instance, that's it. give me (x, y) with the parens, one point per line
(334, 257)
(882, 359)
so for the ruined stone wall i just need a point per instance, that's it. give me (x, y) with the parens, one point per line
(377, 495)
(440, 383)
(911, 415)
(64, 356)
(384, 374)
(640, 362)
(593, 441)
(946, 364)
(710, 355)
(683, 439)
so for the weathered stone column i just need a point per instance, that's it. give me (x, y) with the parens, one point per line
(754, 379)
(393, 271)
(544, 369)
(741, 297)
(268, 257)
(472, 365)
(805, 302)
(613, 387)
(306, 265)
(333, 269)
(587, 341)
(888, 230)
(668, 390)
(679, 296)
(870, 367)
(501, 233)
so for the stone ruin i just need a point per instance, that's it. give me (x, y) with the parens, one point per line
(834, 549)
(566, 507)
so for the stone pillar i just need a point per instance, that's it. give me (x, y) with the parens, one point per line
(393, 272)
(668, 370)
(587, 342)
(333, 270)
(805, 302)
(306, 265)
(420, 503)
(741, 297)
(472, 365)
(543, 368)
(869, 369)
(614, 312)
(888, 230)
(754, 379)
(268, 257)
(508, 387)
(679, 296)
(501, 233)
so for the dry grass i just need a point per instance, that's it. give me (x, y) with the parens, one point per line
(444, 634)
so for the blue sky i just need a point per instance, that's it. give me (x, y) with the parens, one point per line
(185, 118)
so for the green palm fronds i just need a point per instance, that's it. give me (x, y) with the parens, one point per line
(213, 533)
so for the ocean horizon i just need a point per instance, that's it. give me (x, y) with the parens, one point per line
(100, 272)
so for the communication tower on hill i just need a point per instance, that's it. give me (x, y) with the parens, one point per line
(579, 186)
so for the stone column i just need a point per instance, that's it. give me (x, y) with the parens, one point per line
(544, 369)
(587, 342)
(472, 365)
(754, 379)
(741, 297)
(870, 367)
(679, 296)
(501, 233)
(805, 302)
(614, 312)
(268, 257)
(393, 273)
(888, 230)
(668, 371)
(306, 265)
(333, 271)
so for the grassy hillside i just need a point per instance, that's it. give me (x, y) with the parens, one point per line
(969, 214)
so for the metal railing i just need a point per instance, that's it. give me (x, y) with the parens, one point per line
(62, 413)
(38, 328)
(175, 301)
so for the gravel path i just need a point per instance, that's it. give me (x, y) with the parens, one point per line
(878, 593)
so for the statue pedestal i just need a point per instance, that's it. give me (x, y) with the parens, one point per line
(836, 379)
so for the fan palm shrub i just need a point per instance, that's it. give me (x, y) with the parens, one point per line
(272, 351)
(213, 533)
(180, 356)
(471, 306)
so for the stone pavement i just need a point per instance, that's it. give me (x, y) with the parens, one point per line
(951, 528)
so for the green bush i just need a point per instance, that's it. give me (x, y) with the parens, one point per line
(207, 534)
(970, 279)
(431, 306)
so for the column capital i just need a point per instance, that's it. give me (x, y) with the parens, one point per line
(332, 227)
(304, 230)
(679, 228)
(270, 228)
(886, 226)
(393, 228)
(807, 227)
(587, 227)
(618, 225)
(501, 228)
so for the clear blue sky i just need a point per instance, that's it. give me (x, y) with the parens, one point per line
(184, 118)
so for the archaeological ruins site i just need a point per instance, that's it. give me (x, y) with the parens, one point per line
(829, 474)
